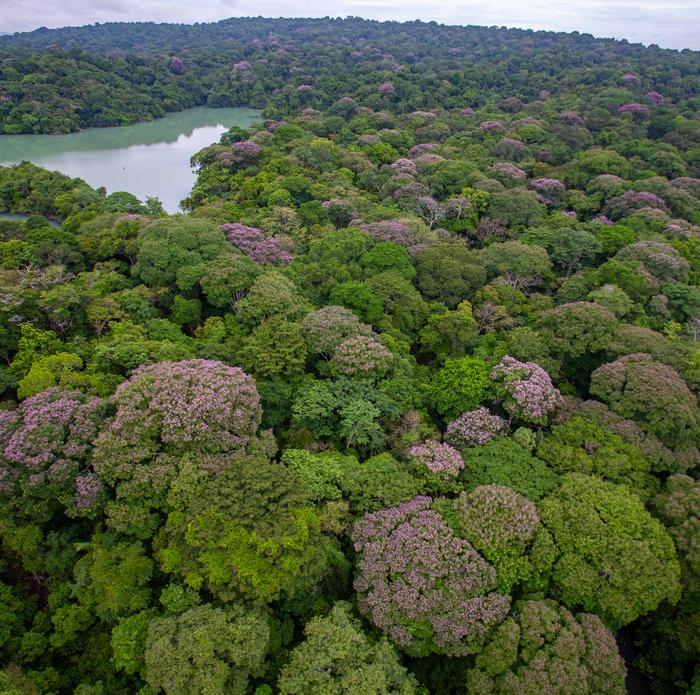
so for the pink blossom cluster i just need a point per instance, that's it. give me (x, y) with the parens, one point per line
(491, 126)
(469, 111)
(475, 428)
(193, 405)
(603, 219)
(429, 590)
(304, 88)
(46, 443)
(547, 184)
(255, 244)
(176, 66)
(360, 355)
(661, 260)
(529, 393)
(437, 457)
(571, 214)
(390, 230)
(242, 151)
(326, 328)
(411, 190)
(242, 66)
(630, 77)
(635, 109)
(423, 114)
(512, 143)
(510, 104)
(633, 200)
(508, 170)
(422, 148)
(386, 88)
(655, 97)
(572, 118)
(404, 166)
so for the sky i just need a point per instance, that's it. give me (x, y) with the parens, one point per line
(670, 24)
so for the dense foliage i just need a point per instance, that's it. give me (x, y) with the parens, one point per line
(405, 403)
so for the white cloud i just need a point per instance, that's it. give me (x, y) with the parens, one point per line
(672, 24)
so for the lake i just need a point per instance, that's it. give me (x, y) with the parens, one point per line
(146, 159)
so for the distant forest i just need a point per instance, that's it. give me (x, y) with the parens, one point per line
(406, 403)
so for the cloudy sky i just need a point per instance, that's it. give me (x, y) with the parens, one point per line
(670, 24)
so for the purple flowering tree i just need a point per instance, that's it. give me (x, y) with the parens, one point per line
(391, 230)
(526, 389)
(429, 590)
(255, 245)
(326, 328)
(46, 452)
(437, 458)
(475, 428)
(504, 526)
(421, 149)
(550, 190)
(638, 111)
(176, 66)
(655, 97)
(164, 412)
(361, 355)
(241, 152)
(386, 88)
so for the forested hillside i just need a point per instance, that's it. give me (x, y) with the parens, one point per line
(406, 403)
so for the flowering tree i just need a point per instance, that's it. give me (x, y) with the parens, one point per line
(543, 648)
(243, 151)
(662, 261)
(436, 457)
(326, 328)
(176, 66)
(254, 244)
(429, 590)
(164, 411)
(475, 428)
(45, 453)
(527, 390)
(551, 190)
(504, 526)
(361, 355)
(613, 558)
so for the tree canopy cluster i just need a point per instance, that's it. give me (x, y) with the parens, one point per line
(405, 403)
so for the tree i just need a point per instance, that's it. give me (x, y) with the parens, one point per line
(506, 462)
(475, 428)
(175, 252)
(242, 527)
(429, 590)
(163, 412)
(271, 294)
(652, 394)
(228, 278)
(326, 328)
(461, 385)
(206, 650)
(522, 266)
(572, 247)
(46, 447)
(582, 446)
(504, 526)
(338, 658)
(526, 389)
(578, 328)
(448, 273)
(542, 647)
(613, 558)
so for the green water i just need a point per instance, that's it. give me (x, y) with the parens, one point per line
(146, 159)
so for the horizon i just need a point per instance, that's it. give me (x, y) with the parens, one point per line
(672, 27)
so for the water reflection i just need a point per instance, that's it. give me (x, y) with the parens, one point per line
(146, 159)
